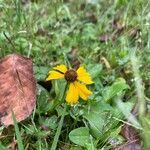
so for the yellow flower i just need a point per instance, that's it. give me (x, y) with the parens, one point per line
(77, 79)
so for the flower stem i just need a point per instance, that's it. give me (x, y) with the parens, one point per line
(55, 141)
(56, 137)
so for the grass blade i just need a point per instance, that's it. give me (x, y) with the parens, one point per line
(18, 135)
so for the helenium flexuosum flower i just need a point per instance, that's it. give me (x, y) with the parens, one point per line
(77, 79)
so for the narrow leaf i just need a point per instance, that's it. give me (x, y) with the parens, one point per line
(18, 135)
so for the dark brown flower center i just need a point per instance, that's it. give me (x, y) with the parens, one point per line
(71, 75)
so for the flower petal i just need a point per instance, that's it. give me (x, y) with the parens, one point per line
(72, 94)
(61, 68)
(84, 76)
(84, 93)
(54, 75)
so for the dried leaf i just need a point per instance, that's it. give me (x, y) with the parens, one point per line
(131, 135)
(82, 6)
(134, 33)
(118, 25)
(45, 128)
(12, 145)
(18, 88)
(73, 56)
(107, 64)
(91, 17)
(104, 37)
(25, 2)
(42, 32)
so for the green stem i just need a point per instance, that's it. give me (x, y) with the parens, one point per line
(55, 141)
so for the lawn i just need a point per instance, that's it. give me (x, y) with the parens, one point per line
(110, 42)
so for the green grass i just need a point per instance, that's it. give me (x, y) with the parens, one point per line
(18, 135)
(64, 31)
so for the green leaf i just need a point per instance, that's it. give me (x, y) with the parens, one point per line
(41, 72)
(89, 32)
(115, 89)
(2, 147)
(96, 122)
(125, 108)
(97, 114)
(43, 102)
(80, 136)
(90, 146)
(94, 70)
(60, 87)
(51, 122)
(145, 121)
(75, 147)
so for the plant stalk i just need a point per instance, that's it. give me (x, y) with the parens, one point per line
(58, 132)
(55, 141)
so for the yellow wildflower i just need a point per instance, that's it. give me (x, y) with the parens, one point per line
(77, 79)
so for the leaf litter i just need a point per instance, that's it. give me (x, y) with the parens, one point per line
(18, 88)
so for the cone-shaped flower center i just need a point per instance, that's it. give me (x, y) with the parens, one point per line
(71, 75)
